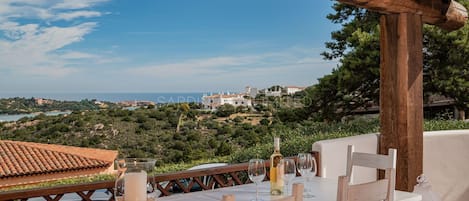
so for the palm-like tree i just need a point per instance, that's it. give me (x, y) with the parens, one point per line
(184, 109)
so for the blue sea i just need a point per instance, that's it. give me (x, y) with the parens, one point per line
(114, 97)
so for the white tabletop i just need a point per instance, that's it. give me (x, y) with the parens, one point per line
(323, 189)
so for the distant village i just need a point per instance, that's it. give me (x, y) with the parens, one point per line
(213, 101)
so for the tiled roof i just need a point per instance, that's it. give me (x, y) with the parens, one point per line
(27, 158)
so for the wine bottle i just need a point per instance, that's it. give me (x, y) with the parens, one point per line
(276, 171)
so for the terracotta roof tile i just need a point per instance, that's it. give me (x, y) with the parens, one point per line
(27, 158)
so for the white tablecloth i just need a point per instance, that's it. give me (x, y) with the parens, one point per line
(323, 189)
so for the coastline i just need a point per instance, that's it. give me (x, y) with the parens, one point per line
(16, 117)
(157, 98)
(176, 97)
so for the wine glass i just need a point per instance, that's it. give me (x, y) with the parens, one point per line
(307, 168)
(289, 171)
(256, 172)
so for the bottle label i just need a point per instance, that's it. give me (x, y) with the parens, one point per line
(277, 160)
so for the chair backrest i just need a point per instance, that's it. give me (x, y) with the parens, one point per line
(332, 162)
(379, 190)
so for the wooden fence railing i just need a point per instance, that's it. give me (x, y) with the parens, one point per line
(168, 183)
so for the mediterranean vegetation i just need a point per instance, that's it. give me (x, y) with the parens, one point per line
(19, 105)
(183, 133)
(204, 137)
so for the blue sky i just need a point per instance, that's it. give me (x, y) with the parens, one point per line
(161, 45)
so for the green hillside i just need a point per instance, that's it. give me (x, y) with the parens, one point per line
(19, 105)
(152, 132)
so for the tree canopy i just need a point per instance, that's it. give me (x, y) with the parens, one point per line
(446, 63)
(355, 81)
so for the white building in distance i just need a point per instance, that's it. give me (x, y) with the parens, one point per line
(279, 91)
(212, 102)
(290, 90)
(274, 91)
(252, 92)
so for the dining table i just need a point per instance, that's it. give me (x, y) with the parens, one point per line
(323, 189)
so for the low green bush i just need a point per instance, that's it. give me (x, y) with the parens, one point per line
(79, 180)
(434, 125)
(300, 139)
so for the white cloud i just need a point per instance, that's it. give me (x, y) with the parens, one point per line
(232, 73)
(14, 31)
(36, 48)
(52, 10)
(231, 68)
(28, 2)
(76, 14)
(53, 38)
(8, 12)
(76, 4)
(211, 65)
(78, 55)
(39, 45)
(83, 57)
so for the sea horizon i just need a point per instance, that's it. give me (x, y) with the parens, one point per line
(157, 97)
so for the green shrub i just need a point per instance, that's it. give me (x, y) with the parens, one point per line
(293, 142)
(264, 121)
(223, 149)
(434, 125)
(80, 180)
(225, 110)
(238, 119)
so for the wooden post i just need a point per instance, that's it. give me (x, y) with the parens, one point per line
(401, 94)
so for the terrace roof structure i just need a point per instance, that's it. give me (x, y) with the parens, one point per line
(401, 75)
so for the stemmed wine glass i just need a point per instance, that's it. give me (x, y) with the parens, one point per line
(256, 172)
(289, 171)
(307, 168)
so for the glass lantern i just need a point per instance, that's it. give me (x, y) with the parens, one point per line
(135, 180)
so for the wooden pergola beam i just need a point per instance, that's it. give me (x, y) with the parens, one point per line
(446, 14)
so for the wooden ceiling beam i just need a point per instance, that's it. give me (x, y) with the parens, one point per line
(446, 14)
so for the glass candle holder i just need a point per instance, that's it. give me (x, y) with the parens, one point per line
(134, 182)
